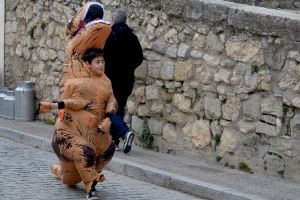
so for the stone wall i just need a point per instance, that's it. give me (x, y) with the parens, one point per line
(275, 4)
(34, 43)
(219, 80)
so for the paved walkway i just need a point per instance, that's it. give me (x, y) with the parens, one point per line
(25, 175)
(191, 176)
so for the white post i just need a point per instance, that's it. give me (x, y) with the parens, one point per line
(2, 34)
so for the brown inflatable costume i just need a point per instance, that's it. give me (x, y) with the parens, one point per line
(82, 140)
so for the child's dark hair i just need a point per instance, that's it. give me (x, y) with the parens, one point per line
(92, 53)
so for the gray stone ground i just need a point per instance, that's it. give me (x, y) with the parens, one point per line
(25, 174)
(207, 180)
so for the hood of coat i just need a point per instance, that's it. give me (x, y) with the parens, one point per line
(121, 28)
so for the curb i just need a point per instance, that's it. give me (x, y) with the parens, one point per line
(142, 172)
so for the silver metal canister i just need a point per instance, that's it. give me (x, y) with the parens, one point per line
(9, 105)
(2, 95)
(24, 103)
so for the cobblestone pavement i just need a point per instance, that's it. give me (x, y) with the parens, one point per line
(25, 174)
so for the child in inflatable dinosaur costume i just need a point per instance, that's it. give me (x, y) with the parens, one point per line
(82, 140)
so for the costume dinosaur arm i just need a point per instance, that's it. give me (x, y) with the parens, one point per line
(71, 98)
(112, 104)
(104, 125)
(44, 107)
(111, 108)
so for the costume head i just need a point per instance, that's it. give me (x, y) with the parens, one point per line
(88, 12)
(86, 30)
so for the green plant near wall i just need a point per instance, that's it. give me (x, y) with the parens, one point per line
(49, 121)
(285, 109)
(31, 31)
(244, 167)
(288, 113)
(146, 138)
(168, 100)
(43, 25)
(254, 69)
(218, 139)
(218, 158)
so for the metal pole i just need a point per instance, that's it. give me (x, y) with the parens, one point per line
(2, 35)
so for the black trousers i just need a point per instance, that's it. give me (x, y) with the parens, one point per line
(118, 127)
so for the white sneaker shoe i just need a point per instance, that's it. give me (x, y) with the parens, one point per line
(128, 141)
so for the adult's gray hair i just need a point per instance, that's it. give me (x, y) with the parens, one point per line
(119, 16)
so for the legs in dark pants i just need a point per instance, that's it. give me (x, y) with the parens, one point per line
(118, 127)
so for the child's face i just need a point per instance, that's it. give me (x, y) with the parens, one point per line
(97, 65)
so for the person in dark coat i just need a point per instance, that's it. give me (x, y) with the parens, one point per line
(122, 54)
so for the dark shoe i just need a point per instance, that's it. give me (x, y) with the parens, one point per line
(128, 141)
(93, 188)
(91, 196)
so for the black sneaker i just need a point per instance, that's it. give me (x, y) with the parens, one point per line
(93, 188)
(128, 141)
(91, 196)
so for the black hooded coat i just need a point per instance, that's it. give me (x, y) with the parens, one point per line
(122, 55)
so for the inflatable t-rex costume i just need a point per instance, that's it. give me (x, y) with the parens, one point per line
(82, 140)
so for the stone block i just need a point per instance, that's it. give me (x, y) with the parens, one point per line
(154, 68)
(214, 43)
(160, 47)
(251, 108)
(199, 133)
(215, 11)
(181, 102)
(169, 133)
(141, 71)
(269, 119)
(143, 111)
(272, 106)
(295, 124)
(246, 127)
(183, 70)
(212, 107)
(167, 71)
(183, 50)
(155, 126)
(274, 55)
(152, 92)
(172, 51)
(265, 21)
(266, 129)
(296, 101)
(231, 109)
(229, 140)
(131, 106)
(139, 94)
(178, 117)
(137, 124)
(244, 50)
(157, 107)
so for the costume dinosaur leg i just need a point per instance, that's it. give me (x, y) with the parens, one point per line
(78, 159)
(67, 172)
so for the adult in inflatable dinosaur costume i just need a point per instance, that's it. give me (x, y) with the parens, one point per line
(82, 140)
